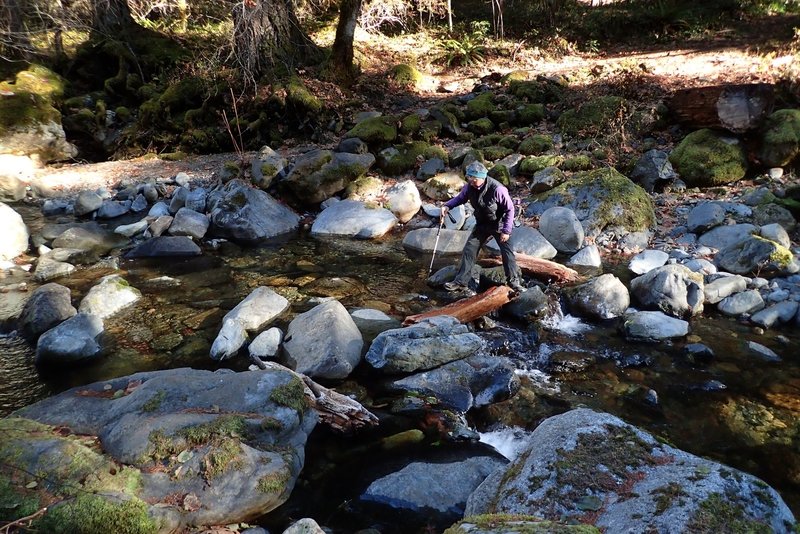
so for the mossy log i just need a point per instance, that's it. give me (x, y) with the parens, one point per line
(337, 411)
(736, 108)
(546, 270)
(469, 309)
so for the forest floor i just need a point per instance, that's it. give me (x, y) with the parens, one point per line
(769, 50)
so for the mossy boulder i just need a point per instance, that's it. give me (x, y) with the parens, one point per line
(405, 75)
(447, 117)
(300, 100)
(320, 174)
(501, 173)
(403, 158)
(365, 189)
(481, 106)
(580, 162)
(481, 126)
(375, 131)
(595, 117)
(543, 91)
(705, 158)
(493, 153)
(601, 198)
(30, 124)
(159, 441)
(780, 138)
(537, 163)
(514, 76)
(535, 145)
(443, 186)
(516, 524)
(529, 114)
(410, 124)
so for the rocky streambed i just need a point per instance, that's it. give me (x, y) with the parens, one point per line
(176, 343)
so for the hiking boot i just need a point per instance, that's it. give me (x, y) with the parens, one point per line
(517, 286)
(454, 286)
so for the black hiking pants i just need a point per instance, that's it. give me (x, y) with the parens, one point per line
(480, 235)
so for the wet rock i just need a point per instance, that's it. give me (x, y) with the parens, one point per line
(672, 289)
(48, 269)
(323, 342)
(561, 227)
(258, 309)
(424, 239)
(14, 237)
(90, 237)
(528, 306)
(461, 385)
(526, 240)
(111, 295)
(242, 213)
(779, 313)
(603, 297)
(352, 218)
(653, 326)
(428, 344)
(745, 302)
(189, 223)
(588, 256)
(698, 353)
(570, 362)
(647, 260)
(566, 455)
(73, 341)
(765, 353)
(226, 465)
(48, 306)
(165, 246)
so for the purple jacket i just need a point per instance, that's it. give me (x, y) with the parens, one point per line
(492, 204)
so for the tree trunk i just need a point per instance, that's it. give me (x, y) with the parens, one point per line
(15, 44)
(266, 32)
(342, 65)
(111, 17)
(736, 108)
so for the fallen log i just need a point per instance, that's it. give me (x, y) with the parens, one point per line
(339, 412)
(545, 270)
(736, 108)
(469, 309)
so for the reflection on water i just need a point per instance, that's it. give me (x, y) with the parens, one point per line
(737, 409)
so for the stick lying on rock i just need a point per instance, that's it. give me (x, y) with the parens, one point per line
(339, 412)
(467, 310)
(545, 270)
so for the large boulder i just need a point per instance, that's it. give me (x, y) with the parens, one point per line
(251, 315)
(266, 165)
(242, 213)
(111, 295)
(600, 199)
(584, 461)
(603, 297)
(672, 289)
(780, 138)
(14, 237)
(320, 174)
(403, 200)
(428, 344)
(323, 342)
(754, 254)
(425, 240)
(352, 218)
(526, 240)
(561, 227)
(220, 447)
(91, 238)
(29, 122)
(48, 306)
(443, 186)
(705, 158)
(75, 341)
(652, 326)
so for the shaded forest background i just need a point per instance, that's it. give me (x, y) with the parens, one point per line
(206, 76)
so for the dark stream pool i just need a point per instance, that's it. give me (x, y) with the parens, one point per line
(737, 409)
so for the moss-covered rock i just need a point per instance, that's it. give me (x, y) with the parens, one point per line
(516, 524)
(597, 116)
(481, 106)
(529, 114)
(403, 158)
(406, 75)
(601, 198)
(377, 131)
(514, 76)
(365, 188)
(481, 126)
(536, 144)
(493, 153)
(581, 162)
(91, 513)
(300, 99)
(501, 174)
(705, 158)
(537, 163)
(537, 91)
(780, 138)
(448, 119)
(410, 124)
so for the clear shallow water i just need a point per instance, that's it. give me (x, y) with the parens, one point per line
(737, 409)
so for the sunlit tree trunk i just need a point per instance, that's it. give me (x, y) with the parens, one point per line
(450, 15)
(266, 32)
(111, 17)
(342, 54)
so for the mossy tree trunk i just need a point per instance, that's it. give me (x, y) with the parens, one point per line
(111, 18)
(266, 32)
(342, 65)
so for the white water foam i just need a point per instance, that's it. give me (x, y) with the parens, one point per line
(510, 442)
(566, 324)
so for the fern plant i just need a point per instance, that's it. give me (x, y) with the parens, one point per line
(467, 50)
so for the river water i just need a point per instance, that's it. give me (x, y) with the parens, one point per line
(737, 409)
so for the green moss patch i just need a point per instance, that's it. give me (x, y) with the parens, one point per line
(536, 144)
(375, 130)
(222, 458)
(716, 514)
(89, 514)
(780, 138)
(292, 395)
(537, 163)
(706, 159)
(405, 74)
(481, 106)
(594, 117)
(274, 482)
(517, 524)
(300, 99)
(15, 502)
(481, 126)
(529, 114)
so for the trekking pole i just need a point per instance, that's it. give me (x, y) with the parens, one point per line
(436, 244)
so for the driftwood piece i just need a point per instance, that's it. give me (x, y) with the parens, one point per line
(469, 309)
(736, 108)
(339, 412)
(545, 270)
